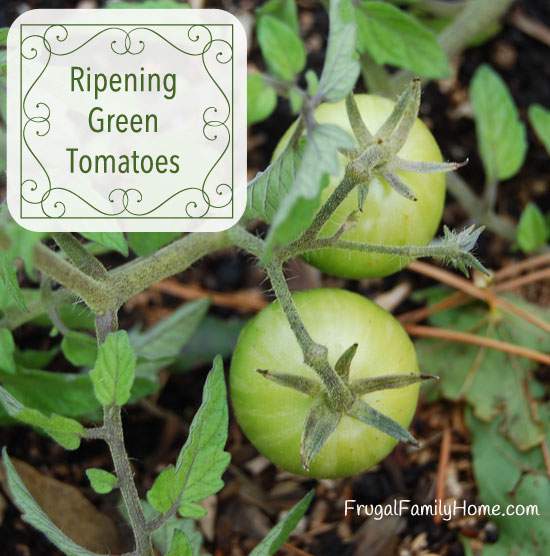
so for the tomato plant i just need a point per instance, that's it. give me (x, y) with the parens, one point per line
(338, 380)
(387, 218)
(273, 415)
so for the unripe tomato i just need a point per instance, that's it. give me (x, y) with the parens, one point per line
(387, 218)
(272, 416)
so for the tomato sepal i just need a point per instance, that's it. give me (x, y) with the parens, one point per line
(299, 383)
(343, 364)
(365, 413)
(320, 424)
(363, 386)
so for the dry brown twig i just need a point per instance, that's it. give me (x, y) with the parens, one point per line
(486, 294)
(441, 478)
(483, 341)
(244, 301)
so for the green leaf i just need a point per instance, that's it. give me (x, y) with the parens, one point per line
(4, 36)
(296, 100)
(280, 533)
(162, 538)
(320, 160)
(213, 336)
(167, 338)
(540, 120)
(114, 371)
(7, 351)
(101, 481)
(67, 432)
(282, 49)
(504, 476)
(267, 190)
(34, 358)
(34, 515)
(146, 243)
(68, 394)
(111, 240)
(202, 460)
(532, 232)
(180, 545)
(162, 495)
(341, 68)
(79, 349)
(501, 135)
(9, 285)
(392, 36)
(284, 10)
(21, 242)
(493, 383)
(312, 82)
(261, 98)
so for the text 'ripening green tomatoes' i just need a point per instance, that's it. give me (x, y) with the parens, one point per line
(273, 416)
(387, 218)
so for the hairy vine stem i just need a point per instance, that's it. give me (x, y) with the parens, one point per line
(405, 251)
(315, 355)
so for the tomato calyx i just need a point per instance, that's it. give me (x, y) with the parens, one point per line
(323, 417)
(385, 145)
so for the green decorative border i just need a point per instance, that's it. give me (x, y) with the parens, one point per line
(41, 117)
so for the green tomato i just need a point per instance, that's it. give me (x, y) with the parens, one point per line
(387, 218)
(273, 416)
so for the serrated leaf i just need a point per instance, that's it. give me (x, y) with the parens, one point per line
(282, 49)
(506, 476)
(501, 135)
(69, 394)
(341, 68)
(114, 371)
(532, 231)
(540, 120)
(493, 382)
(101, 481)
(162, 537)
(280, 533)
(269, 188)
(7, 351)
(162, 495)
(66, 432)
(284, 10)
(111, 240)
(392, 36)
(320, 160)
(180, 545)
(35, 516)
(146, 243)
(261, 98)
(167, 338)
(202, 459)
(79, 349)
(63, 430)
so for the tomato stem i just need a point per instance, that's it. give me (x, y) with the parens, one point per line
(315, 355)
